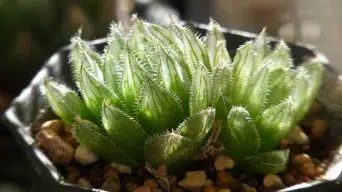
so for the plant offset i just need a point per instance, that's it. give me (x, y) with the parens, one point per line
(158, 93)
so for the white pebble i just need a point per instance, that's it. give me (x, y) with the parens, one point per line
(298, 136)
(124, 169)
(85, 156)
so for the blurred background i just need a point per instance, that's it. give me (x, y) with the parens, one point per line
(31, 30)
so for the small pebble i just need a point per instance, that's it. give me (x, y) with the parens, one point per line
(109, 171)
(142, 189)
(271, 181)
(111, 184)
(176, 189)
(68, 137)
(162, 170)
(60, 152)
(298, 136)
(223, 162)
(82, 182)
(84, 156)
(301, 159)
(124, 169)
(53, 125)
(224, 190)
(226, 180)
(157, 190)
(72, 174)
(318, 128)
(151, 183)
(308, 169)
(304, 164)
(209, 188)
(172, 180)
(247, 188)
(208, 182)
(193, 180)
(289, 179)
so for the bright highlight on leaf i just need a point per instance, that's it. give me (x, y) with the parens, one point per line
(156, 92)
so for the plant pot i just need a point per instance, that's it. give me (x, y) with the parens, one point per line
(30, 105)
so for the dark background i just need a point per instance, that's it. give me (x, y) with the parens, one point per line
(31, 30)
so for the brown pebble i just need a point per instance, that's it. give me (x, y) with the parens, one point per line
(223, 162)
(289, 179)
(194, 180)
(151, 183)
(68, 137)
(301, 159)
(304, 164)
(224, 190)
(320, 170)
(162, 170)
(157, 190)
(108, 171)
(55, 125)
(82, 182)
(130, 186)
(226, 180)
(72, 175)
(318, 128)
(308, 169)
(173, 180)
(209, 188)
(142, 189)
(247, 188)
(272, 181)
(111, 184)
(176, 189)
(60, 152)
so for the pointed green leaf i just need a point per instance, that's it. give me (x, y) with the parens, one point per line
(171, 75)
(131, 81)
(201, 96)
(171, 149)
(308, 82)
(94, 92)
(261, 47)
(158, 110)
(270, 162)
(123, 129)
(197, 126)
(83, 55)
(275, 123)
(222, 107)
(65, 102)
(280, 83)
(193, 47)
(279, 57)
(242, 71)
(91, 136)
(216, 45)
(255, 97)
(112, 52)
(221, 55)
(222, 79)
(239, 135)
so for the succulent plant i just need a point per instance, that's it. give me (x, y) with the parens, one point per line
(156, 91)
